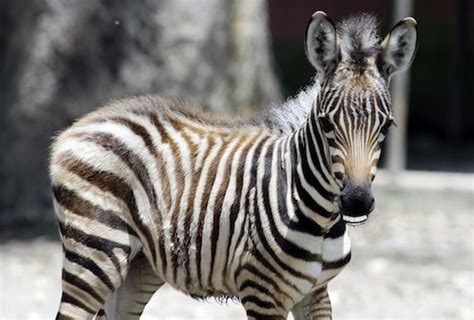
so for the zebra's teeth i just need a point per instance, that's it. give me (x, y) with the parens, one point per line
(354, 219)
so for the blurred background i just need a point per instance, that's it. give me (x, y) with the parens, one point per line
(60, 59)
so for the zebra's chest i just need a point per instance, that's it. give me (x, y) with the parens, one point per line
(335, 251)
(336, 255)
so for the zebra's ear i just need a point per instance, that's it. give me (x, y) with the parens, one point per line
(321, 43)
(399, 47)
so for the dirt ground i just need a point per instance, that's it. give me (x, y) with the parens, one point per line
(414, 259)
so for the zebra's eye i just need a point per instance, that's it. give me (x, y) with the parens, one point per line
(386, 126)
(326, 124)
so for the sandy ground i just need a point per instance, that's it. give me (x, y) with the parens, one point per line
(413, 260)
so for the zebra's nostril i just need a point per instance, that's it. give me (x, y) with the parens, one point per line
(345, 202)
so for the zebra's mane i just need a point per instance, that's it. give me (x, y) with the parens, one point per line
(290, 115)
(358, 38)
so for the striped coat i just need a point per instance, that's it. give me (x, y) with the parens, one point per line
(205, 203)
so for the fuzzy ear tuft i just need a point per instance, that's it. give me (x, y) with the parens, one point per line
(399, 47)
(321, 43)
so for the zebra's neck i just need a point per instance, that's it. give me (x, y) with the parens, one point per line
(314, 189)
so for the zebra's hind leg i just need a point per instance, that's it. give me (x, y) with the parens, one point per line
(316, 305)
(131, 298)
(93, 268)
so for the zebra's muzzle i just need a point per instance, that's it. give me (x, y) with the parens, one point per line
(357, 202)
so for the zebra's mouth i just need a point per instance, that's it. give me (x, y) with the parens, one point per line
(355, 221)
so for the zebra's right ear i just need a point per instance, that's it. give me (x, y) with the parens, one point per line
(321, 43)
(399, 47)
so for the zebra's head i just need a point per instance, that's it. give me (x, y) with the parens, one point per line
(353, 107)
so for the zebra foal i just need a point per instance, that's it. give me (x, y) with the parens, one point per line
(148, 191)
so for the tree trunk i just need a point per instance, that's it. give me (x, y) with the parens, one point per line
(61, 59)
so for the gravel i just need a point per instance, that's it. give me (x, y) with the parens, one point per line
(413, 260)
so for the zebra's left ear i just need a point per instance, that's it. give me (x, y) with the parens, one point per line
(321, 43)
(399, 47)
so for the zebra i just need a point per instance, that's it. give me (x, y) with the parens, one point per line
(148, 190)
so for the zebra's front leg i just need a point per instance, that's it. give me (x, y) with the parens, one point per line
(315, 305)
(261, 303)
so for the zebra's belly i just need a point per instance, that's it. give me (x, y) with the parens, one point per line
(200, 264)
(204, 286)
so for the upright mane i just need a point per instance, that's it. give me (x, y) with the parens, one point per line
(358, 38)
